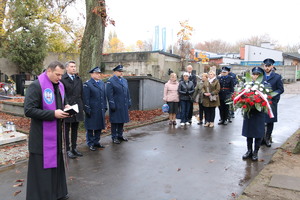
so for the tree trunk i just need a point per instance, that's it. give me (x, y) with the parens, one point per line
(92, 41)
(2, 16)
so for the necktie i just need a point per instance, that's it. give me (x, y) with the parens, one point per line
(73, 77)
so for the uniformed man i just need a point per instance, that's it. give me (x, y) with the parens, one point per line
(275, 81)
(226, 90)
(94, 100)
(119, 101)
(235, 80)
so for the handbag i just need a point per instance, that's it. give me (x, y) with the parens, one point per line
(165, 108)
(213, 98)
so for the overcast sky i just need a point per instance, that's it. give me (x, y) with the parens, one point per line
(228, 20)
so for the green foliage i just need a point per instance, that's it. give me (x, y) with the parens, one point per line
(25, 44)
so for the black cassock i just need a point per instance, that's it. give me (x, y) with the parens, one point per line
(43, 184)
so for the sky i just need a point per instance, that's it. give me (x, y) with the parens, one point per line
(227, 20)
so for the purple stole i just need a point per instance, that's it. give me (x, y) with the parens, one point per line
(49, 127)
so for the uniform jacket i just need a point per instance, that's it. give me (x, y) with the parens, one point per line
(186, 90)
(74, 95)
(171, 91)
(94, 100)
(212, 88)
(254, 125)
(119, 100)
(226, 87)
(33, 108)
(233, 75)
(275, 81)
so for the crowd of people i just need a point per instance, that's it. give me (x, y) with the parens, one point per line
(210, 92)
(59, 88)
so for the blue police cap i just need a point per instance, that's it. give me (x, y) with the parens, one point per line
(269, 61)
(118, 68)
(225, 69)
(96, 69)
(256, 70)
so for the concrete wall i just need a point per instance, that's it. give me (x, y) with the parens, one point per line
(254, 53)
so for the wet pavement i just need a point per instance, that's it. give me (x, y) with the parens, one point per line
(162, 162)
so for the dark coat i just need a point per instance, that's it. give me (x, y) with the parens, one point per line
(233, 75)
(226, 87)
(275, 81)
(192, 78)
(95, 106)
(33, 108)
(119, 100)
(74, 95)
(254, 126)
(186, 91)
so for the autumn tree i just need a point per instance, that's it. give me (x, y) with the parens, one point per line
(2, 17)
(184, 37)
(216, 46)
(93, 37)
(26, 39)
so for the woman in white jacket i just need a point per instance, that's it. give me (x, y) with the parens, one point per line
(171, 97)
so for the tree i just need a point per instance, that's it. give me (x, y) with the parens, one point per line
(2, 17)
(93, 37)
(216, 46)
(114, 44)
(25, 44)
(184, 37)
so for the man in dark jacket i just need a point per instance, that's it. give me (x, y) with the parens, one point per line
(94, 100)
(275, 80)
(226, 90)
(44, 104)
(119, 101)
(73, 90)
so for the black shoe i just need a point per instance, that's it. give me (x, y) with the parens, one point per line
(116, 141)
(64, 198)
(255, 156)
(268, 142)
(92, 148)
(248, 154)
(221, 122)
(229, 120)
(77, 153)
(225, 122)
(71, 155)
(200, 123)
(99, 146)
(122, 139)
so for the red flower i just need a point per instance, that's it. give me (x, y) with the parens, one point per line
(244, 106)
(264, 103)
(270, 102)
(252, 103)
(248, 100)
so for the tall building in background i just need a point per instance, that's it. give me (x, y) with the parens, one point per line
(160, 41)
(156, 39)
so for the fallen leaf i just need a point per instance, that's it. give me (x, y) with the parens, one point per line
(17, 192)
(18, 185)
(20, 180)
(178, 169)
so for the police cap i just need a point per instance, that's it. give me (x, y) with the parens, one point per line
(118, 68)
(257, 70)
(268, 62)
(225, 69)
(96, 69)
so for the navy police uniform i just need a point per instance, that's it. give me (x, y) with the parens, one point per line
(95, 106)
(226, 90)
(275, 81)
(119, 101)
(254, 127)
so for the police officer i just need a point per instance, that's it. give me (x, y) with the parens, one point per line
(275, 81)
(119, 101)
(73, 90)
(226, 90)
(95, 107)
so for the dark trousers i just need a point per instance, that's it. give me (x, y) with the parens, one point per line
(210, 113)
(270, 127)
(224, 110)
(185, 106)
(190, 114)
(93, 137)
(257, 143)
(201, 112)
(74, 133)
(116, 130)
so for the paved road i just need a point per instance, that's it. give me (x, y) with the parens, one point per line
(167, 163)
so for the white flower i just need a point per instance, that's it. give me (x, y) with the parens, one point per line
(248, 86)
(260, 89)
(267, 90)
(265, 95)
(255, 87)
(262, 85)
(256, 93)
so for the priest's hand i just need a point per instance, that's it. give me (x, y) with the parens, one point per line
(59, 114)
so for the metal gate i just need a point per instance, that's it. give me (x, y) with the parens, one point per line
(134, 90)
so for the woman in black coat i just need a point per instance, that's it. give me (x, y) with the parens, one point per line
(254, 125)
(186, 90)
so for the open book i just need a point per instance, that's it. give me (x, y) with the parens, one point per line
(72, 110)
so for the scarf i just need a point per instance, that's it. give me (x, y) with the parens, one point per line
(210, 80)
(49, 127)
